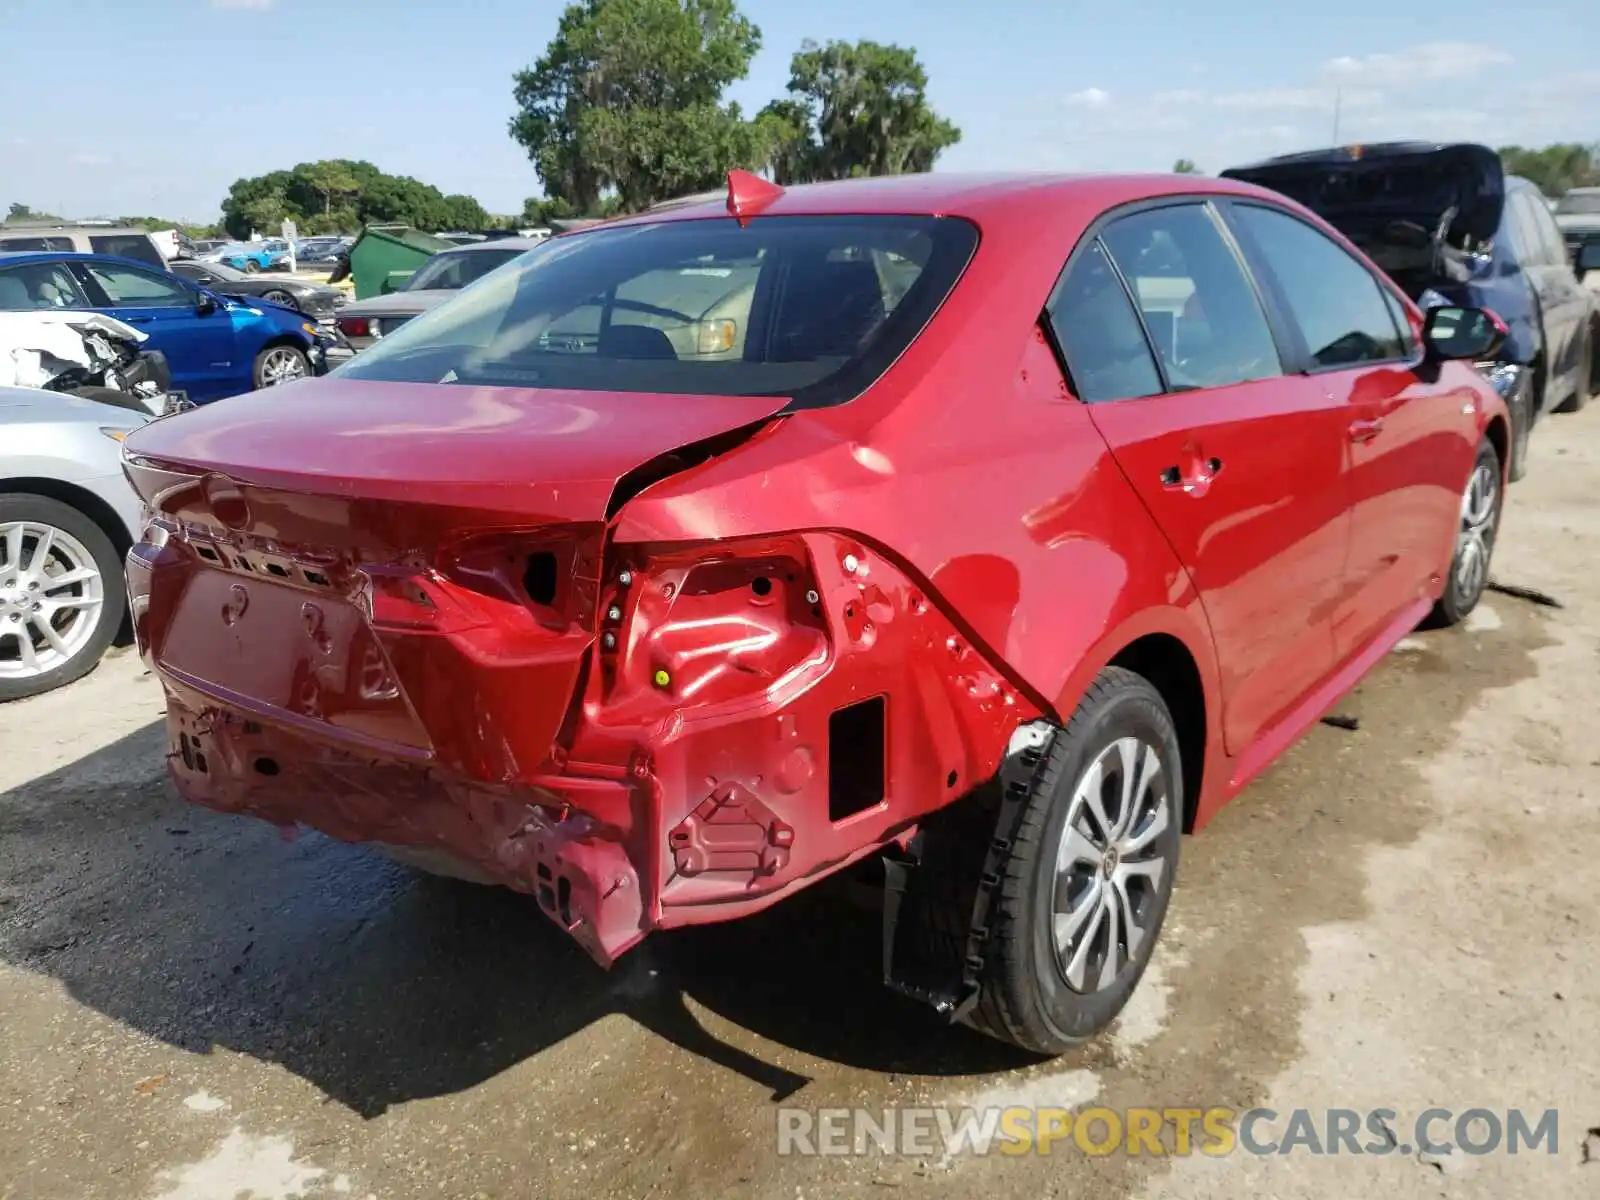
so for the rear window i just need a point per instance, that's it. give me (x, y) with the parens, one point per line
(136, 246)
(448, 271)
(813, 308)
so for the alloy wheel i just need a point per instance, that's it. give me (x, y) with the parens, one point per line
(1475, 541)
(1110, 864)
(282, 365)
(51, 594)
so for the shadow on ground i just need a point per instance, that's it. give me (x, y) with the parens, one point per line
(380, 985)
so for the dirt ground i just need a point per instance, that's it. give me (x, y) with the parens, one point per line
(1400, 916)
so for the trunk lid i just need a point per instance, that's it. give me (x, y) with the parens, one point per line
(1413, 207)
(408, 568)
(1418, 182)
(548, 456)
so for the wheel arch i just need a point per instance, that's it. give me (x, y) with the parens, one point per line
(1171, 648)
(1499, 434)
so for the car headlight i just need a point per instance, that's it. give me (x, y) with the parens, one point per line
(1504, 377)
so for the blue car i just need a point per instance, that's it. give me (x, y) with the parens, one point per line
(215, 345)
(263, 256)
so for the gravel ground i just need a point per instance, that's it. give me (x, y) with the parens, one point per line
(1398, 916)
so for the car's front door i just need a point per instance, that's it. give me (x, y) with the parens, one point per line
(1411, 444)
(1242, 467)
(196, 335)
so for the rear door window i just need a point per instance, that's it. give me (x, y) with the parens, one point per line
(136, 246)
(1194, 296)
(20, 244)
(1336, 302)
(39, 285)
(813, 308)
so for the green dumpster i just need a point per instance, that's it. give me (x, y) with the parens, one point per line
(385, 256)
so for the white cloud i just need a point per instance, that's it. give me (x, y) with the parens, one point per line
(1090, 98)
(1427, 63)
(249, 5)
(1301, 98)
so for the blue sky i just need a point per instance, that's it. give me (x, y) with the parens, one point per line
(167, 102)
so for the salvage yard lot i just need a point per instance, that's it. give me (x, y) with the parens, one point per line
(1398, 915)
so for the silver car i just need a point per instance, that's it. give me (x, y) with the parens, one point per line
(67, 517)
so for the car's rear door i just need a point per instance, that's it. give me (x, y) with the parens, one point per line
(199, 345)
(1563, 300)
(1241, 466)
(1412, 433)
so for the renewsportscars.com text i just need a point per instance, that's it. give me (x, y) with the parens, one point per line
(1215, 1131)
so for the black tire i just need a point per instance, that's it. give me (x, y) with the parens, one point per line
(1026, 998)
(26, 507)
(1463, 591)
(277, 296)
(114, 398)
(258, 379)
(1580, 392)
(251, 266)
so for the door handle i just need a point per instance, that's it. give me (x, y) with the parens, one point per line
(135, 320)
(1197, 481)
(1365, 431)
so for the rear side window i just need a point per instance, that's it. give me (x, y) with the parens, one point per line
(128, 245)
(1099, 333)
(1337, 304)
(1195, 298)
(813, 308)
(20, 244)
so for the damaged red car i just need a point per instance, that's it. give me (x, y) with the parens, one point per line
(993, 530)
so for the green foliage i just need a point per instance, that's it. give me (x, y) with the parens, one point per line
(854, 108)
(341, 196)
(21, 212)
(1555, 168)
(1185, 166)
(627, 100)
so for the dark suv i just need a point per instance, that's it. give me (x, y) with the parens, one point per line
(1450, 227)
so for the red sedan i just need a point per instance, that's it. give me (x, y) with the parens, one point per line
(995, 530)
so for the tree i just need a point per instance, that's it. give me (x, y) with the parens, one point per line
(21, 212)
(1557, 168)
(1185, 166)
(340, 196)
(854, 108)
(627, 99)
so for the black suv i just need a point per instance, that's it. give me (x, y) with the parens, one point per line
(1450, 227)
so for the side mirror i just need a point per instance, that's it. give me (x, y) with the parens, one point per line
(1468, 333)
(1588, 258)
(205, 304)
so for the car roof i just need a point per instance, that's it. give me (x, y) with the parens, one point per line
(10, 230)
(512, 243)
(954, 193)
(9, 258)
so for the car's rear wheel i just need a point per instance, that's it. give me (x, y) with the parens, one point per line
(1585, 378)
(251, 266)
(278, 296)
(61, 594)
(1479, 525)
(280, 364)
(1089, 872)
